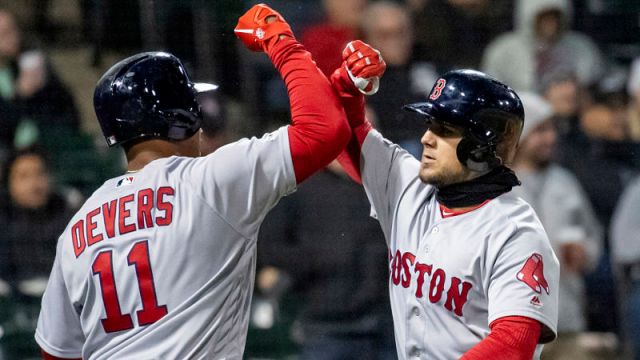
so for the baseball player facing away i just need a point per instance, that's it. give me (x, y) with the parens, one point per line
(159, 263)
(472, 273)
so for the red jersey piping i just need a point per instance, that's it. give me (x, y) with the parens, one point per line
(446, 212)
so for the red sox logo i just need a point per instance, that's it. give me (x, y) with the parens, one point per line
(437, 89)
(532, 274)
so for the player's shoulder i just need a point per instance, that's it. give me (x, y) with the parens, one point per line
(376, 149)
(513, 215)
(388, 166)
(243, 147)
(101, 192)
(509, 204)
(519, 229)
(90, 203)
(373, 141)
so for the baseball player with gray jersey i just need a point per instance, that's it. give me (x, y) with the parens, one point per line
(472, 272)
(159, 263)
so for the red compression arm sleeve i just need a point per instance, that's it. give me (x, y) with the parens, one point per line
(46, 356)
(511, 338)
(353, 103)
(319, 130)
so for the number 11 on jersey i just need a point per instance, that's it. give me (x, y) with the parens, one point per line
(151, 311)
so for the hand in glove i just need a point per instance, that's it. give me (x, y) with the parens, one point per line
(364, 66)
(261, 27)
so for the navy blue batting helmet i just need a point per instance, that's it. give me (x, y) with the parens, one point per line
(480, 105)
(148, 95)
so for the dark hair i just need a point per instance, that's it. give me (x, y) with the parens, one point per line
(611, 90)
(34, 150)
(556, 76)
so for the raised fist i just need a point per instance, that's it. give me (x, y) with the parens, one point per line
(364, 65)
(261, 27)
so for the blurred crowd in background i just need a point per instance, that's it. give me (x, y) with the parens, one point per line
(321, 288)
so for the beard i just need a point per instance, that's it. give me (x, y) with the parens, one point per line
(446, 176)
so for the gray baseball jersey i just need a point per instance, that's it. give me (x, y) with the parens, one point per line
(160, 264)
(453, 274)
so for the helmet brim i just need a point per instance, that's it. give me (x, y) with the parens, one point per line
(423, 108)
(204, 87)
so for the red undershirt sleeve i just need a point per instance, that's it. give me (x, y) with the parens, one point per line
(319, 130)
(511, 338)
(349, 158)
(353, 103)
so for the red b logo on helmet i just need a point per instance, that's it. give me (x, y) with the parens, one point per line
(437, 90)
(532, 274)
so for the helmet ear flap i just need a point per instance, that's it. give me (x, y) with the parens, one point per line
(476, 155)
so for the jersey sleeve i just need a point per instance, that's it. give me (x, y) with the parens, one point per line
(59, 332)
(524, 281)
(387, 170)
(243, 180)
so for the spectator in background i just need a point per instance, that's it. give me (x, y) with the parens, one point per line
(323, 238)
(30, 92)
(326, 40)
(542, 43)
(604, 150)
(567, 216)
(604, 162)
(387, 26)
(453, 33)
(563, 92)
(625, 251)
(36, 108)
(9, 47)
(34, 215)
(633, 88)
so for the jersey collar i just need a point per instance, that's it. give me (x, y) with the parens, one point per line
(446, 212)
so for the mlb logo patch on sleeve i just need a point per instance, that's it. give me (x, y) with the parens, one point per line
(128, 180)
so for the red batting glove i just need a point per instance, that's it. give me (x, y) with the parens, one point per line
(359, 74)
(261, 27)
(364, 66)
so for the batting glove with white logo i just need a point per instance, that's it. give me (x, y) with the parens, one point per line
(261, 27)
(364, 65)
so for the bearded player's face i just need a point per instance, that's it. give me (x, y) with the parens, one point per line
(439, 163)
